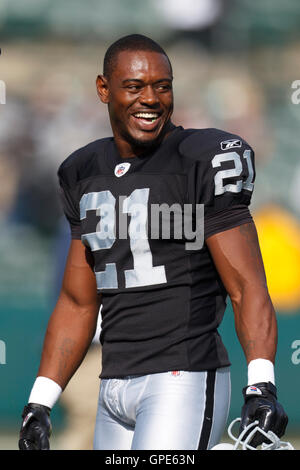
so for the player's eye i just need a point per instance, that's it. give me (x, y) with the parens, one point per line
(164, 87)
(133, 88)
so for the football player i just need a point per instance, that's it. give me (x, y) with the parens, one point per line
(162, 281)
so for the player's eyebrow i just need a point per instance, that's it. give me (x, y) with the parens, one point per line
(169, 80)
(131, 80)
(136, 80)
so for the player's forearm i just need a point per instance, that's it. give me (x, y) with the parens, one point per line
(69, 334)
(255, 323)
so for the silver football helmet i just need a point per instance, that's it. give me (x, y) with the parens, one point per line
(242, 441)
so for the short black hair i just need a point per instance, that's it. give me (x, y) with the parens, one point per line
(132, 42)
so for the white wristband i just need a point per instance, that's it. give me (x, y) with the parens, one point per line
(260, 370)
(45, 392)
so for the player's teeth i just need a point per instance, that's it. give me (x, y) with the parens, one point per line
(146, 115)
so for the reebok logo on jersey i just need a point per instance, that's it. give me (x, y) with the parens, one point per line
(253, 390)
(121, 169)
(229, 144)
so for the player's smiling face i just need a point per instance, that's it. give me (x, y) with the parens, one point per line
(140, 99)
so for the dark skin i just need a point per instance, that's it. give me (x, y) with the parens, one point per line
(237, 257)
(141, 82)
(73, 322)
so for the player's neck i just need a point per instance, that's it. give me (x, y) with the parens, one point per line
(128, 149)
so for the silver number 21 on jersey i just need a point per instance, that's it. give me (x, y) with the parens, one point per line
(217, 161)
(143, 272)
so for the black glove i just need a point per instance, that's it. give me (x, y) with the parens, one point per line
(36, 428)
(261, 405)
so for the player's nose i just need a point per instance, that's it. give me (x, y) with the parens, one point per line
(149, 96)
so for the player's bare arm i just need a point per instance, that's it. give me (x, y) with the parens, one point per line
(69, 334)
(238, 259)
(73, 322)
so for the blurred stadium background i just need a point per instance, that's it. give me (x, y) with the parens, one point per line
(234, 64)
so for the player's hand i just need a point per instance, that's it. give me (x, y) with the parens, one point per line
(261, 404)
(36, 428)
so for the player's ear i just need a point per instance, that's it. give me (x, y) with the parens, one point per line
(102, 88)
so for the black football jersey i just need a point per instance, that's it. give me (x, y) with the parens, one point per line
(145, 220)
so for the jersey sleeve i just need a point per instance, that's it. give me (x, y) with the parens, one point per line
(226, 219)
(70, 208)
(226, 179)
(221, 178)
(223, 170)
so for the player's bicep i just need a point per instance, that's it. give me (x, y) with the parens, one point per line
(237, 257)
(79, 283)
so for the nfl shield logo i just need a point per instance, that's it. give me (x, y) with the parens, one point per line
(121, 169)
